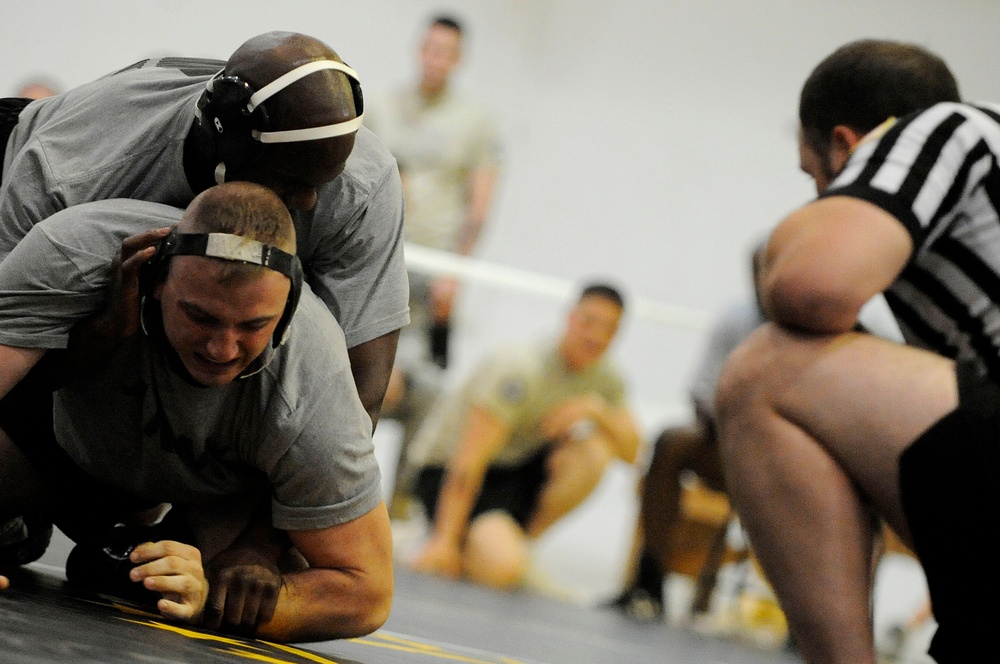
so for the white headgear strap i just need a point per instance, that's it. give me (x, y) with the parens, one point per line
(311, 133)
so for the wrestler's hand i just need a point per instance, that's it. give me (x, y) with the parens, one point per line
(96, 338)
(245, 586)
(439, 556)
(570, 418)
(120, 317)
(174, 570)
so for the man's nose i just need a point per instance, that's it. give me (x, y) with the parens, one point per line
(223, 346)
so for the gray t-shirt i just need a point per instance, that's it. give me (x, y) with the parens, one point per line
(122, 136)
(297, 427)
(736, 324)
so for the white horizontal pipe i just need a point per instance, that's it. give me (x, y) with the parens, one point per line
(436, 262)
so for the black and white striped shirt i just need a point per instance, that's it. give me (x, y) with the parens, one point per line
(937, 172)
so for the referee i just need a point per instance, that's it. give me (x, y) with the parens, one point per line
(822, 426)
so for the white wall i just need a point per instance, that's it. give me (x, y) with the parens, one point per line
(652, 141)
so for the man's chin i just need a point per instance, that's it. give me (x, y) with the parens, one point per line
(583, 362)
(213, 380)
(213, 377)
(216, 381)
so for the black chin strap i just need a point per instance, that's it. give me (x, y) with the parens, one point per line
(198, 160)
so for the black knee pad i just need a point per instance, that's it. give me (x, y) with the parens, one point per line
(29, 542)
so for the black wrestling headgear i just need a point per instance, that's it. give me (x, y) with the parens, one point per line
(231, 248)
(232, 114)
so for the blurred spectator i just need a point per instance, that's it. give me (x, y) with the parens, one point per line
(448, 154)
(522, 443)
(37, 88)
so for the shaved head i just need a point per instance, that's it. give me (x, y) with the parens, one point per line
(320, 98)
(241, 208)
(296, 168)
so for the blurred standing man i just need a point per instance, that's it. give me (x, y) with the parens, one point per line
(448, 154)
(820, 425)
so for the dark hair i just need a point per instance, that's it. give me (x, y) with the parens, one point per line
(607, 291)
(865, 82)
(447, 21)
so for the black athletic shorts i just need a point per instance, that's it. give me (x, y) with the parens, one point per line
(80, 504)
(10, 108)
(950, 489)
(514, 490)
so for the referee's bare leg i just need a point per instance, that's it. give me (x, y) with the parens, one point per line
(812, 428)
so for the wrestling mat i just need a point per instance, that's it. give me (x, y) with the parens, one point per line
(433, 621)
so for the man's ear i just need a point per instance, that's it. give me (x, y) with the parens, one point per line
(843, 140)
